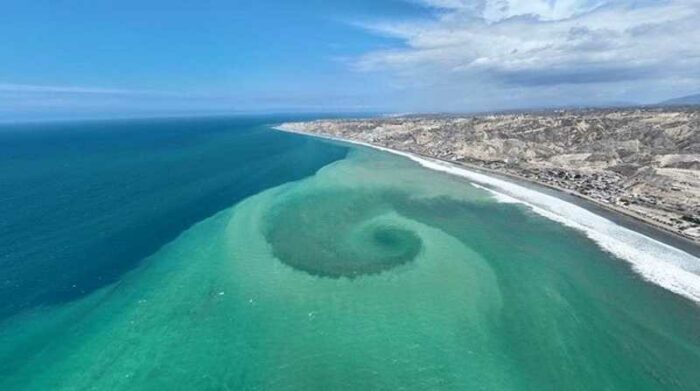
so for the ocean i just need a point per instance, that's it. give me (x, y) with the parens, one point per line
(218, 253)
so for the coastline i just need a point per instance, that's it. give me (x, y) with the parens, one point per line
(664, 259)
(620, 216)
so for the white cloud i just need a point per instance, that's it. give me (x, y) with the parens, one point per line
(537, 43)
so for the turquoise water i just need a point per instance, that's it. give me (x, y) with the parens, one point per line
(371, 273)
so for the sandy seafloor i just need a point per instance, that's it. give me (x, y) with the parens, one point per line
(377, 273)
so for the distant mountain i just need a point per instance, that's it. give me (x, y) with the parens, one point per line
(682, 101)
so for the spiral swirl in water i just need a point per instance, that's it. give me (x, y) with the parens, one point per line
(334, 234)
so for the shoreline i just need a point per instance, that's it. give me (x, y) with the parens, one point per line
(637, 223)
(656, 255)
(625, 219)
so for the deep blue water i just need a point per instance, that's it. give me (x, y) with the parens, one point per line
(82, 203)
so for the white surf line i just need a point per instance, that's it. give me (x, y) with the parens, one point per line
(657, 262)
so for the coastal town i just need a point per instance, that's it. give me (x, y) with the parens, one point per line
(643, 162)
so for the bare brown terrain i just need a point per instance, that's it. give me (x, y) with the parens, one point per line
(642, 162)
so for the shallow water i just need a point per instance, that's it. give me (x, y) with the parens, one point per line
(374, 273)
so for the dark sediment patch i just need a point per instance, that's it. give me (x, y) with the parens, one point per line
(339, 234)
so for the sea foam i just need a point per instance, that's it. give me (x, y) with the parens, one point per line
(657, 262)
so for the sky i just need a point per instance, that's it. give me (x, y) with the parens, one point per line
(82, 58)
